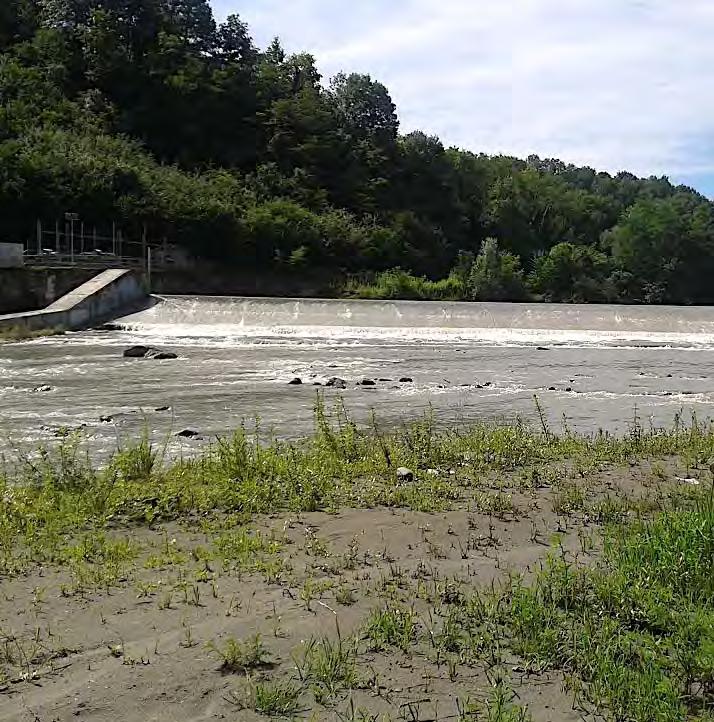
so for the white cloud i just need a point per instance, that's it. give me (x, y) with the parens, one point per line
(616, 84)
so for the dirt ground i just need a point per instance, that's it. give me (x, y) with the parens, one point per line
(139, 649)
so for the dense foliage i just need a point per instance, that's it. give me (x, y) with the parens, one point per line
(150, 113)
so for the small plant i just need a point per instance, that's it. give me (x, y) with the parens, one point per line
(568, 498)
(392, 626)
(345, 596)
(272, 699)
(237, 656)
(328, 666)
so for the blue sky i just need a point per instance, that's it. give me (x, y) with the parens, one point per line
(614, 84)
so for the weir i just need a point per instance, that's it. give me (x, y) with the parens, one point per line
(522, 323)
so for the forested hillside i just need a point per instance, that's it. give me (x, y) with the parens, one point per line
(151, 113)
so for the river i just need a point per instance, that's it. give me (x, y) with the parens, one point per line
(595, 366)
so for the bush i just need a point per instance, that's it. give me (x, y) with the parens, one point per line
(399, 284)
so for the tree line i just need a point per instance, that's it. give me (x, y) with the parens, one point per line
(151, 113)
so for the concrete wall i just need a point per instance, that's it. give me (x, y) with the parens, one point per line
(11, 255)
(103, 297)
(29, 289)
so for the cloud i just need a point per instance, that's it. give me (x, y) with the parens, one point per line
(616, 84)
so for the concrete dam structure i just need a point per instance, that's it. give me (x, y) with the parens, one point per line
(103, 297)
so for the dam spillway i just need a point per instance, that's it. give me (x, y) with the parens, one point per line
(602, 367)
(245, 319)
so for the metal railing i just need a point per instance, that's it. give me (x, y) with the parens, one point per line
(84, 260)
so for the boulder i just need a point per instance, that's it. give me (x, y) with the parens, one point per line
(163, 408)
(188, 434)
(406, 380)
(366, 382)
(148, 352)
(295, 382)
(106, 419)
(542, 348)
(136, 352)
(336, 383)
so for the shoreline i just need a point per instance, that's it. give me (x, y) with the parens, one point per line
(354, 570)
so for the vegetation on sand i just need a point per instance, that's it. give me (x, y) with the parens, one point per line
(620, 609)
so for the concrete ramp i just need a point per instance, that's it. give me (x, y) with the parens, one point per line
(107, 295)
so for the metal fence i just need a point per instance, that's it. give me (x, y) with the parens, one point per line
(73, 244)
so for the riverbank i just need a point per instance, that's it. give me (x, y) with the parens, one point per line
(359, 574)
(19, 333)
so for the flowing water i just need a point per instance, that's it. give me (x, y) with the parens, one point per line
(599, 366)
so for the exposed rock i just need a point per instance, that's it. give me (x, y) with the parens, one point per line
(569, 389)
(136, 352)
(41, 389)
(163, 408)
(404, 474)
(406, 380)
(336, 383)
(542, 348)
(148, 352)
(188, 434)
(106, 419)
(551, 388)
(366, 382)
(295, 382)
(385, 380)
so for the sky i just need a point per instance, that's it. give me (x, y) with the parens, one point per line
(613, 84)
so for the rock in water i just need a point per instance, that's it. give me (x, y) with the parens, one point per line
(405, 475)
(106, 419)
(136, 352)
(41, 389)
(148, 352)
(163, 408)
(295, 382)
(336, 383)
(188, 434)
(406, 380)
(366, 382)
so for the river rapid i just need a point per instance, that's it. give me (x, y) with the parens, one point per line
(597, 367)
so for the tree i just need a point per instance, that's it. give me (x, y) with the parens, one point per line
(496, 275)
(235, 43)
(647, 243)
(573, 274)
(365, 108)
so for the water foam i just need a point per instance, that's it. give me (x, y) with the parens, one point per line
(223, 321)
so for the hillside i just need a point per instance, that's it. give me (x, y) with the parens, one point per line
(150, 113)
